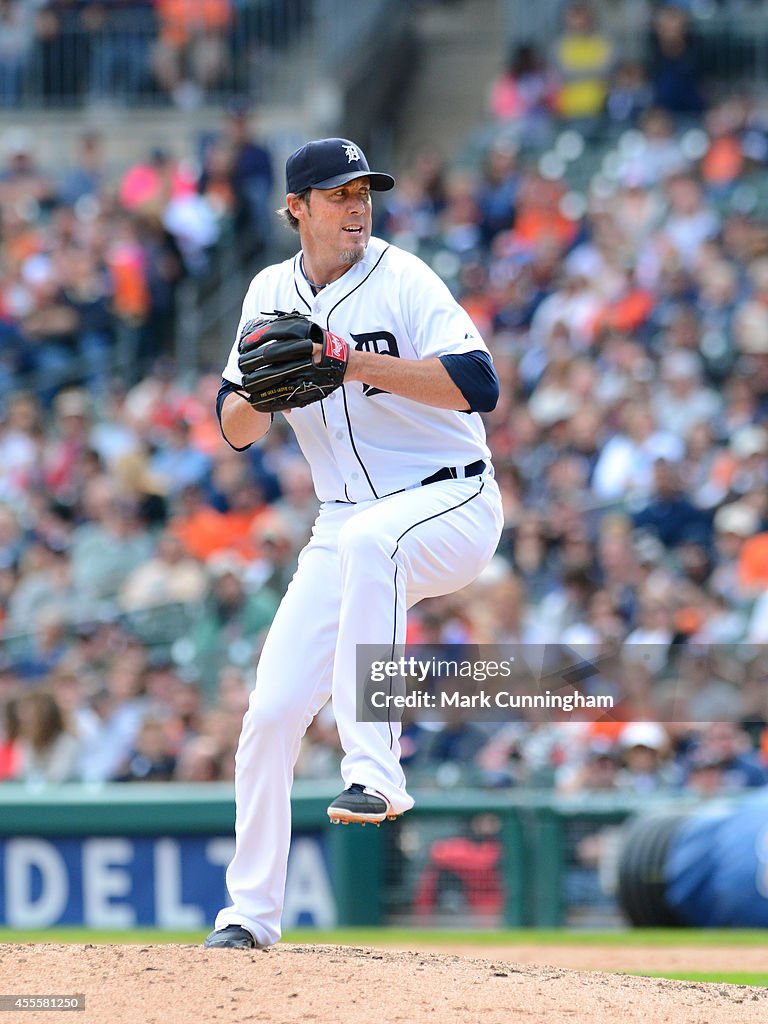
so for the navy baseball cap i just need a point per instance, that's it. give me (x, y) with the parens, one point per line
(328, 163)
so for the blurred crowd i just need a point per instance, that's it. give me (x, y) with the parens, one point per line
(625, 301)
(93, 255)
(185, 52)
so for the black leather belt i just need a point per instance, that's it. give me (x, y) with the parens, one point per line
(456, 472)
(446, 473)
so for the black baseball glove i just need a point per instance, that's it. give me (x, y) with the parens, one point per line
(277, 365)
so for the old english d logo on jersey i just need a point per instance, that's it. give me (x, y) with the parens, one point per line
(381, 342)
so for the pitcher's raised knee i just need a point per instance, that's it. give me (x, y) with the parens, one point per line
(364, 541)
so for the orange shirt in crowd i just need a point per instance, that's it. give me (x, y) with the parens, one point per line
(130, 299)
(723, 163)
(628, 313)
(205, 435)
(180, 19)
(606, 729)
(202, 533)
(208, 531)
(753, 561)
(242, 529)
(534, 224)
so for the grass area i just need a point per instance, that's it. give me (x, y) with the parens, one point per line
(720, 977)
(637, 937)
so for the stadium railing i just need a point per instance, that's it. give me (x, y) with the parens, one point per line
(76, 54)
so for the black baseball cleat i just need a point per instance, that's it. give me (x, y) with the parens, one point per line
(361, 805)
(231, 937)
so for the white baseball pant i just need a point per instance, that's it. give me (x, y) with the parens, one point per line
(363, 567)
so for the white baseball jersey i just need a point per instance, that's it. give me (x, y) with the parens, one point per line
(362, 443)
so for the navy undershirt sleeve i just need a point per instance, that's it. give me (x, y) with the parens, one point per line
(227, 388)
(475, 377)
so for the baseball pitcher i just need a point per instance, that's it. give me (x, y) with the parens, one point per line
(383, 375)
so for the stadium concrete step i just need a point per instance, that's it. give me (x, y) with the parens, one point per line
(463, 45)
(130, 135)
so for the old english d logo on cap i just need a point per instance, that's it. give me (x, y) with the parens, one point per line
(328, 163)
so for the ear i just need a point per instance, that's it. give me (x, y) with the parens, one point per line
(295, 205)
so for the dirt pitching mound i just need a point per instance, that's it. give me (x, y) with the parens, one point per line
(292, 984)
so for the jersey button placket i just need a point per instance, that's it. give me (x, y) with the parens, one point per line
(338, 435)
